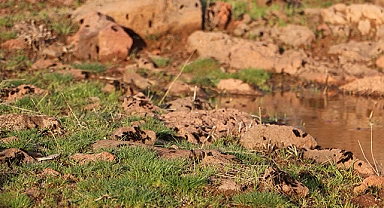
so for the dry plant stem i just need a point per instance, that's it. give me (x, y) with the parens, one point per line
(373, 158)
(177, 77)
(78, 122)
(362, 151)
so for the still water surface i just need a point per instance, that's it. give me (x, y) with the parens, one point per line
(339, 121)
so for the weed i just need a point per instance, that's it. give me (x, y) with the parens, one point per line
(17, 61)
(161, 62)
(90, 67)
(4, 36)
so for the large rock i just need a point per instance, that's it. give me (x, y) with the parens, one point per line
(366, 16)
(148, 17)
(100, 38)
(264, 136)
(239, 53)
(296, 35)
(357, 51)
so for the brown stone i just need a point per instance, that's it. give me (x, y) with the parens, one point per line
(284, 183)
(15, 156)
(100, 38)
(14, 44)
(139, 105)
(380, 62)
(134, 134)
(372, 181)
(42, 64)
(85, 158)
(149, 17)
(269, 136)
(21, 91)
(23, 121)
(219, 15)
(342, 159)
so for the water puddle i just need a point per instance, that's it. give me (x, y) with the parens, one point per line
(340, 121)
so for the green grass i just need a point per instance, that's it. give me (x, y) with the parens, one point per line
(162, 62)
(90, 67)
(207, 72)
(17, 61)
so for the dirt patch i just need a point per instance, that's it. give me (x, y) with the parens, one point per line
(22, 121)
(12, 94)
(205, 126)
(284, 183)
(15, 156)
(134, 134)
(139, 105)
(85, 158)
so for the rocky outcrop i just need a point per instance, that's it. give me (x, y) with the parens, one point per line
(239, 53)
(365, 86)
(100, 38)
(368, 18)
(148, 17)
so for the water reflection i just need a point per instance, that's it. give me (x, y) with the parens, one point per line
(339, 121)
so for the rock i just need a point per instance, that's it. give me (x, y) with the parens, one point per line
(219, 15)
(14, 44)
(371, 181)
(100, 38)
(43, 64)
(364, 26)
(21, 91)
(86, 158)
(235, 86)
(139, 105)
(291, 62)
(134, 134)
(148, 17)
(380, 62)
(266, 136)
(238, 53)
(357, 51)
(365, 86)
(188, 104)
(137, 80)
(282, 182)
(52, 51)
(297, 36)
(199, 126)
(342, 159)
(365, 16)
(17, 122)
(15, 156)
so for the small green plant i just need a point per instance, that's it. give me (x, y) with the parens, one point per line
(253, 76)
(161, 62)
(63, 26)
(17, 61)
(90, 67)
(4, 36)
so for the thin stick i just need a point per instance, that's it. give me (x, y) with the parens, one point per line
(373, 157)
(177, 77)
(261, 121)
(78, 122)
(362, 151)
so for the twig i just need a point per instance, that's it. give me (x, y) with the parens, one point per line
(177, 77)
(362, 151)
(373, 157)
